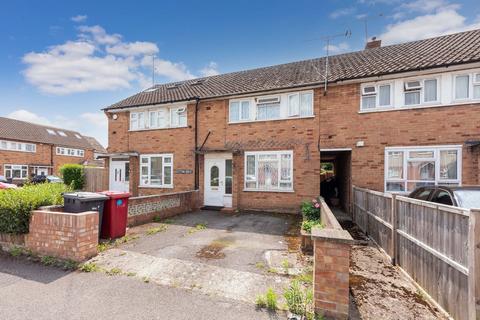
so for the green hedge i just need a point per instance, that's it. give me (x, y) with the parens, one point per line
(73, 175)
(16, 204)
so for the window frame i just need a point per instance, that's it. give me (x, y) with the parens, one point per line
(421, 90)
(69, 152)
(377, 95)
(437, 163)
(23, 168)
(8, 145)
(147, 114)
(148, 165)
(279, 159)
(240, 110)
(471, 86)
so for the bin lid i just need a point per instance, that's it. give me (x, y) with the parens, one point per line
(116, 194)
(81, 195)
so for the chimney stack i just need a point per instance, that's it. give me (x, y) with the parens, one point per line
(374, 43)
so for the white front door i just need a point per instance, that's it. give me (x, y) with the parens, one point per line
(218, 180)
(119, 175)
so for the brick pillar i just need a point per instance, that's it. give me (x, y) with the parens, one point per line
(331, 272)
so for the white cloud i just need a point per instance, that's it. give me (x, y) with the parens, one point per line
(426, 6)
(97, 61)
(342, 12)
(92, 123)
(210, 70)
(338, 48)
(441, 22)
(79, 18)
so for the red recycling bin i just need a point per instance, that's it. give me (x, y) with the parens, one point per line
(115, 214)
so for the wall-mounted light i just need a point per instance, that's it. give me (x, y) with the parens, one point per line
(360, 143)
(115, 116)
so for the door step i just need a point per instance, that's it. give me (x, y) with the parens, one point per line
(212, 208)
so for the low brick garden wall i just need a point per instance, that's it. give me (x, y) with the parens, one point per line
(331, 248)
(144, 208)
(59, 234)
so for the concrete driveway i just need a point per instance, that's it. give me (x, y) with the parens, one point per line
(234, 256)
(33, 291)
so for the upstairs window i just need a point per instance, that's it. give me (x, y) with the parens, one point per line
(17, 146)
(239, 111)
(159, 118)
(376, 96)
(467, 87)
(268, 108)
(300, 104)
(417, 92)
(61, 151)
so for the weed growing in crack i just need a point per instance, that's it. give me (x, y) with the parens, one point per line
(156, 230)
(89, 267)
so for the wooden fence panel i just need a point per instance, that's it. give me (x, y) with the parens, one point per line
(436, 245)
(96, 179)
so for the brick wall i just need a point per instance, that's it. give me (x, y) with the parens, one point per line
(331, 248)
(63, 235)
(144, 208)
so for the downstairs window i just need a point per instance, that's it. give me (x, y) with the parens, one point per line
(156, 170)
(269, 171)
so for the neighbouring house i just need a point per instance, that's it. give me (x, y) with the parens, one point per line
(27, 149)
(98, 153)
(389, 118)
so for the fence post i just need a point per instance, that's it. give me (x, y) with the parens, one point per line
(393, 250)
(474, 265)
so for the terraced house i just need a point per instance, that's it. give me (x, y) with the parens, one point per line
(389, 118)
(27, 148)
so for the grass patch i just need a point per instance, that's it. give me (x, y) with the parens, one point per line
(156, 230)
(268, 300)
(48, 260)
(126, 239)
(260, 265)
(198, 227)
(104, 246)
(114, 272)
(131, 274)
(272, 270)
(89, 267)
(306, 277)
(285, 264)
(308, 225)
(299, 300)
(16, 251)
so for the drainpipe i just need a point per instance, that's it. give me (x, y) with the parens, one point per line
(197, 165)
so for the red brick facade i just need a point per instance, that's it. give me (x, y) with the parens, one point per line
(337, 124)
(45, 156)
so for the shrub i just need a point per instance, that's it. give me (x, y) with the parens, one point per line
(16, 204)
(73, 175)
(311, 210)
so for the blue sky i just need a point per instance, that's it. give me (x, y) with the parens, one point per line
(62, 61)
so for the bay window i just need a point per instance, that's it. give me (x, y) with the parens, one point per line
(407, 168)
(156, 170)
(269, 171)
(15, 171)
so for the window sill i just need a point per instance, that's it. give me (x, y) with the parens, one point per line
(274, 191)
(280, 119)
(151, 129)
(155, 187)
(423, 106)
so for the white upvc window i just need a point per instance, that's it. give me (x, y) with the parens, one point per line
(62, 151)
(17, 146)
(156, 170)
(376, 96)
(15, 171)
(407, 168)
(239, 111)
(300, 104)
(420, 91)
(268, 108)
(269, 171)
(178, 117)
(466, 87)
(159, 118)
